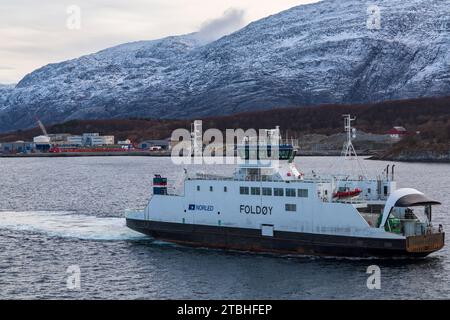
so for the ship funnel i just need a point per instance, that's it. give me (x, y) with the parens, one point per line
(159, 185)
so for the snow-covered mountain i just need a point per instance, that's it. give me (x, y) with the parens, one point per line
(5, 90)
(311, 54)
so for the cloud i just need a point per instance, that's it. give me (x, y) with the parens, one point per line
(232, 20)
(39, 34)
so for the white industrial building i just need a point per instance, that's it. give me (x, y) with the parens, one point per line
(75, 140)
(87, 139)
(95, 139)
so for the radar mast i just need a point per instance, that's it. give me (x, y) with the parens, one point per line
(348, 151)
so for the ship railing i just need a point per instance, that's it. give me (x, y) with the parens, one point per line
(420, 228)
(363, 200)
(428, 229)
(200, 176)
(351, 201)
(207, 176)
(357, 204)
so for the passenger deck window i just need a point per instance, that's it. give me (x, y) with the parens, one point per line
(302, 193)
(291, 207)
(211, 188)
(278, 192)
(255, 191)
(198, 188)
(290, 192)
(266, 191)
(244, 190)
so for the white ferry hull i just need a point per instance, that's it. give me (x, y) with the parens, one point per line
(282, 242)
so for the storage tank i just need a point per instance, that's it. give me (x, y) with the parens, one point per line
(41, 140)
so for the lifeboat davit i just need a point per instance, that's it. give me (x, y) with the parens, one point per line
(347, 194)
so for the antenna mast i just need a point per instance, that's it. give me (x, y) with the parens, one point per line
(197, 140)
(348, 151)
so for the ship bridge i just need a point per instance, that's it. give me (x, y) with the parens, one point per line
(267, 162)
(262, 154)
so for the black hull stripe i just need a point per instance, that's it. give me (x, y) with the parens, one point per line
(282, 242)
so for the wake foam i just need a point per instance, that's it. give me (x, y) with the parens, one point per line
(68, 225)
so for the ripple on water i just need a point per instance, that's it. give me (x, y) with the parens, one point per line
(60, 212)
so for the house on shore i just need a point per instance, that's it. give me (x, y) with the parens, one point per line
(397, 133)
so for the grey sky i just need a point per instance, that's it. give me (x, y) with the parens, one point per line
(34, 33)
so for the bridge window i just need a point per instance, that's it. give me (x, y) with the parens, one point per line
(266, 191)
(290, 192)
(291, 207)
(302, 193)
(255, 191)
(244, 190)
(278, 192)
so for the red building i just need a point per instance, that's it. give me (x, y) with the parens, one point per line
(397, 132)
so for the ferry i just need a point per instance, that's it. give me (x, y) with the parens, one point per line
(274, 207)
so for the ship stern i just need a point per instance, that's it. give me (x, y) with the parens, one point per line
(423, 245)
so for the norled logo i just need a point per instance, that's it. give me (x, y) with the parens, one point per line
(211, 147)
(200, 207)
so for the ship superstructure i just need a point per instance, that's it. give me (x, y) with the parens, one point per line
(270, 205)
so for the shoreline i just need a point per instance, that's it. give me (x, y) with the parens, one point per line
(370, 155)
(332, 153)
(423, 156)
(86, 154)
(412, 160)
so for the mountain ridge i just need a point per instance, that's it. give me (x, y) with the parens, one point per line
(429, 115)
(307, 55)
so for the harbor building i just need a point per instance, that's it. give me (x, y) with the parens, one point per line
(75, 141)
(44, 142)
(16, 147)
(95, 139)
(58, 138)
(149, 144)
(397, 133)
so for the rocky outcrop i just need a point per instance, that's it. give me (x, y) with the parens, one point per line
(417, 156)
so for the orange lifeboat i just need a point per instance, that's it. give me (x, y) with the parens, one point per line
(347, 193)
